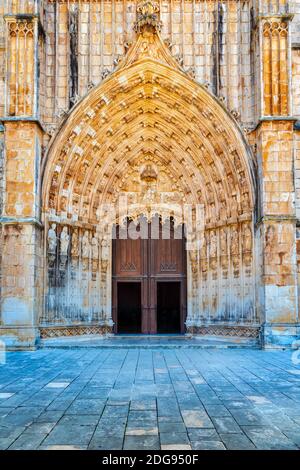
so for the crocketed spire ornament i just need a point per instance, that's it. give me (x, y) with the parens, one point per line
(147, 15)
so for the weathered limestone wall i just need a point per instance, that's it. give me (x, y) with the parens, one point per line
(213, 42)
(78, 277)
(2, 59)
(21, 236)
(22, 284)
(21, 266)
(247, 54)
(275, 153)
(102, 153)
(222, 281)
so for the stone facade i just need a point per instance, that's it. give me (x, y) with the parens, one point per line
(181, 103)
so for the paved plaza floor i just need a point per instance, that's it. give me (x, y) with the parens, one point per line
(150, 399)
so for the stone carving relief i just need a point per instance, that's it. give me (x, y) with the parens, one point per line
(75, 276)
(159, 142)
(75, 245)
(64, 241)
(64, 246)
(95, 249)
(147, 15)
(85, 245)
(52, 239)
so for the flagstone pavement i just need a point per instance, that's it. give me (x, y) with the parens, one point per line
(150, 399)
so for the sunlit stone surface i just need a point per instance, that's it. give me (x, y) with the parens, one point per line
(171, 104)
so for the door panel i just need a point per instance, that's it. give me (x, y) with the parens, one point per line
(128, 258)
(151, 262)
(129, 307)
(168, 307)
(167, 255)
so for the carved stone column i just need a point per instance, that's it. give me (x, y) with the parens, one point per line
(21, 270)
(192, 289)
(277, 221)
(106, 287)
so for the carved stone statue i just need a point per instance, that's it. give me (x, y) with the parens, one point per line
(75, 244)
(85, 245)
(213, 244)
(64, 241)
(203, 252)
(234, 248)
(104, 250)
(95, 249)
(245, 201)
(223, 242)
(52, 239)
(247, 238)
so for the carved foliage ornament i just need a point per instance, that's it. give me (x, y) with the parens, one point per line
(147, 15)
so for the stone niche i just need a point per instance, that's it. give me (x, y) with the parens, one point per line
(77, 277)
(221, 282)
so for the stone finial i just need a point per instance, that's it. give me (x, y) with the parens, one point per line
(147, 16)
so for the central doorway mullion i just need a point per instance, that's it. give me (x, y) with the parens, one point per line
(151, 285)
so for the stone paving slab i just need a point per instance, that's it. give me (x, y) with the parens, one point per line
(171, 399)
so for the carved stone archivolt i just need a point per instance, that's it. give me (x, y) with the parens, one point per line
(153, 135)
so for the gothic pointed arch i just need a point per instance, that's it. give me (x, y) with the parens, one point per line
(151, 118)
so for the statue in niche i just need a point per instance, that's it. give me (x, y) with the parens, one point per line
(235, 249)
(104, 253)
(95, 249)
(64, 241)
(63, 204)
(213, 212)
(231, 183)
(247, 238)
(213, 244)
(210, 194)
(234, 206)
(52, 239)
(75, 206)
(223, 242)
(242, 178)
(85, 245)
(203, 252)
(223, 210)
(245, 201)
(75, 244)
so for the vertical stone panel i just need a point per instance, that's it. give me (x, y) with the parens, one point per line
(21, 66)
(276, 160)
(22, 141)
(21, 264)
(22, 281)
(296, 81)
(106, 30)
(77, 289)
(275, 66)
(62, 51)
(2, 59)
(297, 171)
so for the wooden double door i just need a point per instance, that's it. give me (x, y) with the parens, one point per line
(149, 280)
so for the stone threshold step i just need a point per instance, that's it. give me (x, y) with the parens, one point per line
(146, 342)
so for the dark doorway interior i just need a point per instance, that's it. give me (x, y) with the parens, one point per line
(129, 307)
(168, 307)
